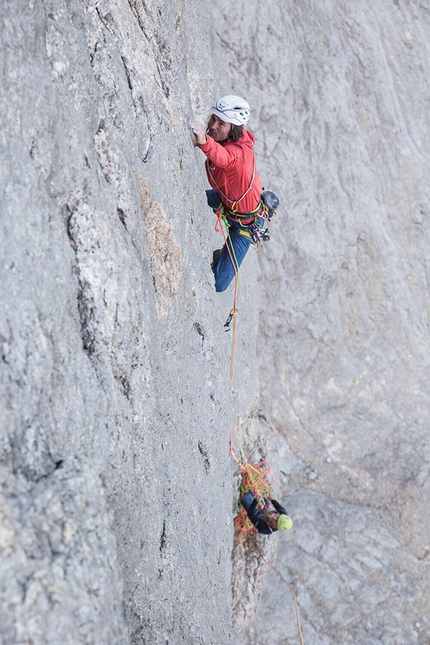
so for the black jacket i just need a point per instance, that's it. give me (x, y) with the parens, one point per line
(249, 502)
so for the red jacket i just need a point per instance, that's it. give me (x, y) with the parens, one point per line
(230, 167)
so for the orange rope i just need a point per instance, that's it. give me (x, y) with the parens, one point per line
(257, 478)
(219, 228)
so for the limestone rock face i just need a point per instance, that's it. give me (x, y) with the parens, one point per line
(115, 393)
(340, 110)
(116, 501)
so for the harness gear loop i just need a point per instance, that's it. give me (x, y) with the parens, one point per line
(244, 218)
(249, 223)
(268, 213)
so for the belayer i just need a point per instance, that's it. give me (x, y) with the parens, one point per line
(236, 185)
(265, 520)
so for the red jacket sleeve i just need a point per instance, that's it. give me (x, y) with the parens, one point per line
(221, 156)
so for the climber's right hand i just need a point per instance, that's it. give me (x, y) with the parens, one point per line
(198, 129)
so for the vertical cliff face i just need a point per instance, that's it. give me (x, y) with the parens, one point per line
(116, 484)
(341, 97)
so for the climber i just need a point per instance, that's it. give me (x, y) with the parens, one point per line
(266, 521)
(231, 171)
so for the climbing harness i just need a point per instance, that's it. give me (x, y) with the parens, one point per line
(255, 220)
(250, 225)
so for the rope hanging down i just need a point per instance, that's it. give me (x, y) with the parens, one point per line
(255, 231)
(233, 312)
(296, 606)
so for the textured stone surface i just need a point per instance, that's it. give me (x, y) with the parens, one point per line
(342, 124)
(254, 440)
(116, 500)
(115, 397)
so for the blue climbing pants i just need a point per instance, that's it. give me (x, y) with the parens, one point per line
(238, 246)
(237, 243)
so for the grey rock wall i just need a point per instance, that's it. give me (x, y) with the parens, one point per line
(341, 98)
(116, 500)
(115, 392)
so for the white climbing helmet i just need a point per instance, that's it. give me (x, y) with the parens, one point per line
(232, 109)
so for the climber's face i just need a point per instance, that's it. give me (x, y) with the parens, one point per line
(271, 518)
(218, 130)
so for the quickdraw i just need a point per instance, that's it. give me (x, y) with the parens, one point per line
(229, 319)
(258, 234)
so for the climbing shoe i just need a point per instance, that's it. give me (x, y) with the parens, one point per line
(215, 258)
